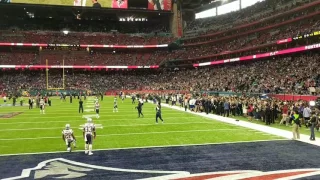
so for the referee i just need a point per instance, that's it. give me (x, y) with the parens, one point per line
(80, 105)
(158, 114)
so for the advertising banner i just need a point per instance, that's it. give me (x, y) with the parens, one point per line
(160, 5)
(88, 3)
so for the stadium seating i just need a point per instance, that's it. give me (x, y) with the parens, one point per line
(82, 38)
(260, 11)
(292, 74)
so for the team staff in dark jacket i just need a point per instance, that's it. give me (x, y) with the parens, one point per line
(139, 108)
(158, 113)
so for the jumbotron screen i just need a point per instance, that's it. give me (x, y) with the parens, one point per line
(159, 5)
(123, 4)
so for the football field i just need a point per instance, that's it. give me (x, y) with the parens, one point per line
(28, 131)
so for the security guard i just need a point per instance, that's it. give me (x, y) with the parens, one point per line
(295, 125)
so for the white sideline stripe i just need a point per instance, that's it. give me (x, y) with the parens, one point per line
(82, 119)
(147, 147)
(126, 134)
(131, 125)
(267, 129)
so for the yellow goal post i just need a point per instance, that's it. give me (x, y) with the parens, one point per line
(47, 78)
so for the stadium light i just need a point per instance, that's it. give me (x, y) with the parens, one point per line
(65, 32)
(312, 103)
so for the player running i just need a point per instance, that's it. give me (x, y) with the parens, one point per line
(68, 137)
(115, 105)
(89, 133)
(42, 106)
(97, 109)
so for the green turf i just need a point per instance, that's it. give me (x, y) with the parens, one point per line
(32, 132)
(303, 129)
(104, 3)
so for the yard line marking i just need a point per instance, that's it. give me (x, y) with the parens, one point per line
(131, 125)
(147, 147)
(43, 116)
(129, 134)
(101, 119)
(102, 111)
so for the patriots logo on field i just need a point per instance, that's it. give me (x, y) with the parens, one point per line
(61, 168)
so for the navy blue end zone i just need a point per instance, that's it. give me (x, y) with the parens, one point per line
(173, 162)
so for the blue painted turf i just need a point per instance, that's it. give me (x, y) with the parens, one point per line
(262, 156)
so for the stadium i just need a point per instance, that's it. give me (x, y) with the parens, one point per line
(160, 89)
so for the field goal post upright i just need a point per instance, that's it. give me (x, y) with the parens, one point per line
(47, 77)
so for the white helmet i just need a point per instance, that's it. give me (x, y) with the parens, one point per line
(67, 126)
(89, 120)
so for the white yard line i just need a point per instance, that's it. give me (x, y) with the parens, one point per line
(103, 119)
(130, 125)
(129, 134)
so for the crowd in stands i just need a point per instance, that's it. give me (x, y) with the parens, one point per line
(82, 57)
(299, 17)
(108, 58)
(259, 11)
(245, 42)
(292, 74)
(82, 38)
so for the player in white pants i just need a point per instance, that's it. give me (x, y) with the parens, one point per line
(89, 133)
(68, 137)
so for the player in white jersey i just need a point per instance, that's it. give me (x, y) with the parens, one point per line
(96, 100)
(115, 105)
(97, 109)
(89, 133)
(68, 137)
(42, 106)
(122, 97)
(77, 2)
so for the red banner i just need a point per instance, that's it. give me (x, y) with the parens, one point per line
(159, 5)
(120, 4)
(258, 56)
(282, 41)
(292, 97)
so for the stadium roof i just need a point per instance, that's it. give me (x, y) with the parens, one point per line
(201, 5)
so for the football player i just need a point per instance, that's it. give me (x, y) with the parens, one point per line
(96, 100)
(115, 105)
(97, 107)
(89, 133)
(42, 106)
(122, 97)
(68, 137)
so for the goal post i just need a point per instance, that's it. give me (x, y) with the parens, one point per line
(47, 78)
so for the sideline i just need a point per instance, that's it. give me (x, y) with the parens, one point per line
(270, 130)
